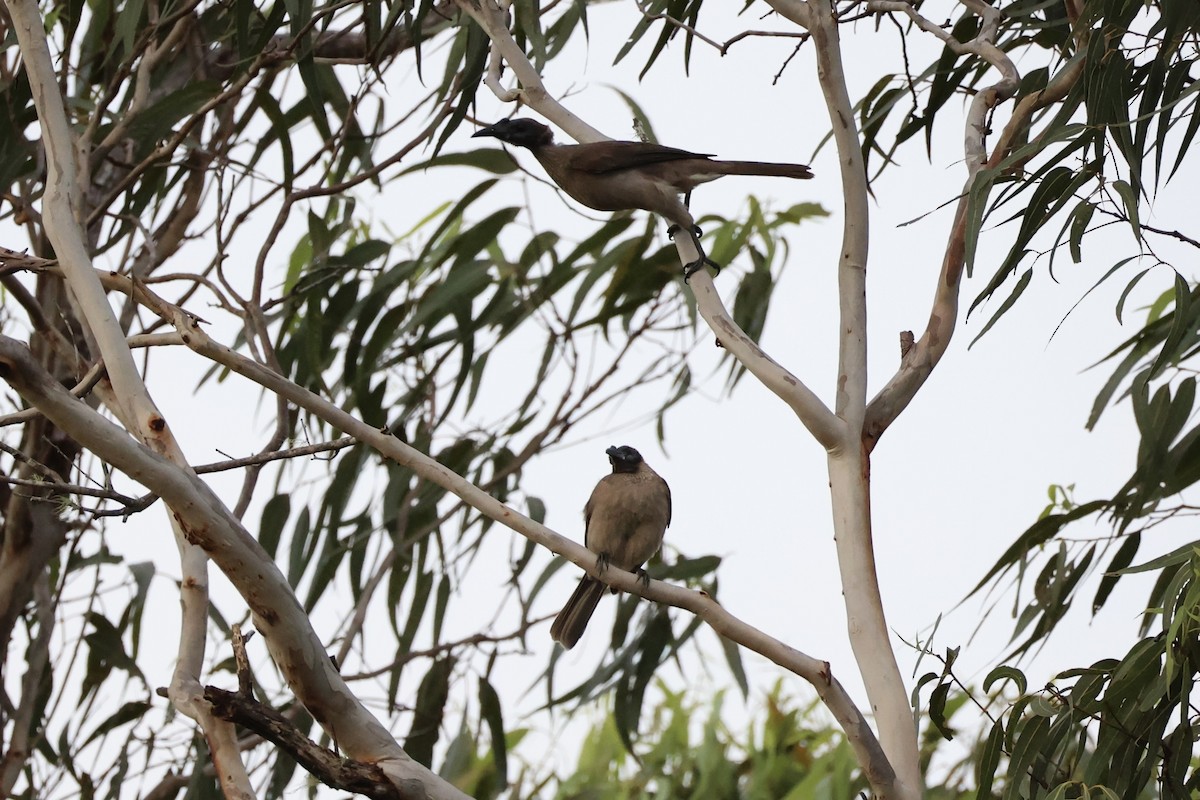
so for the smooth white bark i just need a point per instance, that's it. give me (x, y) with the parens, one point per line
(293, 637)
(277, 615)
(849, 463)
(62, 213)
(813, 413)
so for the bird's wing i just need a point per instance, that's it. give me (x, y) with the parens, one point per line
(604, 508)
(603, 157)
(667, 488)
(588, 508)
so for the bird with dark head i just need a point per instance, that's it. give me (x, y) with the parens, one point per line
(621, 176)
(623, 524)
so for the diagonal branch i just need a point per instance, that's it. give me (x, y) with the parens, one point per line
(326, 765)
(208, 525)
(63, 213)
(293, 644)
(824, 425)
(919, 361)
(858, 732)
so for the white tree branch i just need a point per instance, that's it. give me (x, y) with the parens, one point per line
(208, 524)
(858, 732)
(848, 464)
(491, 18)
(917, 364)
(62, 212)
(825, 427)
(823, 424)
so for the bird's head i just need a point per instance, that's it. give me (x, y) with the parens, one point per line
(624, 458)
(519, 132)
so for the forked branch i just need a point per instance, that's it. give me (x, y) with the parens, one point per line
(208, 524)
(919, 361)
(824, 425)
(63, 213)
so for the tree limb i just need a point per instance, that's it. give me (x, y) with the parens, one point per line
(848, 463)
(919, 361)
(325, 765)
(817, 673)
(208, 524)
(813, 413)
(63, 214)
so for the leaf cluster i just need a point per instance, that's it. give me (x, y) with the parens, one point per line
(1121, 727)
(237, 155)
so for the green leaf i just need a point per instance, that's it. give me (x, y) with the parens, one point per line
(489, 159)
(1031, 742)
(1179, 326)
(428, 712)
(274, 515)
(492, 712)
(1178, 556)
(1005, 673)
(529, 22)
(631, 691)
(1036, 535)
(1130, 201)
(535, 507)
(989, 761)
(1017, 291)
(1128, 288)
(129, 21)
(363, 253)
(1112, 573)
(733, 657)
(416, 614)
(686, 569)
(129, 712)
(158, 120)
(467, 76)
(439, 609)
(302, 546)
(937, 710)
(1081, 217)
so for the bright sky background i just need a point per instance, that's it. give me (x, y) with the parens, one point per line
(956, 479)
(964, 470)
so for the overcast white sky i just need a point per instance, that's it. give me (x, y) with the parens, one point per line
(956, 479)
(965, 469)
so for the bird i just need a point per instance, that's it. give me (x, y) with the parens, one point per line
(620, 176)
(623, 522)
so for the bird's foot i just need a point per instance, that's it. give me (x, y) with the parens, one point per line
(694, 267)
(603, 560)
(690, 269)
(674, 229)
(644, 577)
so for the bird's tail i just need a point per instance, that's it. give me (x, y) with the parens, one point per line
(569, 624)
(764, 168)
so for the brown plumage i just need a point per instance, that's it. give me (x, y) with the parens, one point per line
(624, 522)
(618, 176)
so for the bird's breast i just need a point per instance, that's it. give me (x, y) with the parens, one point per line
(627, 517)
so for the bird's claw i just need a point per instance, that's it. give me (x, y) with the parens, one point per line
(694, 267)
(674, 229)
(603, 560)
(644, 577)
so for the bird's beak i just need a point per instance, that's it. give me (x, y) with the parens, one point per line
(612, 451)
(488, 131)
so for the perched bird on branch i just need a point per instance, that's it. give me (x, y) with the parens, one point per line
(620, 176)
(623, 523)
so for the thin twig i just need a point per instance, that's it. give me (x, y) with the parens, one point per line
(67, 488)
